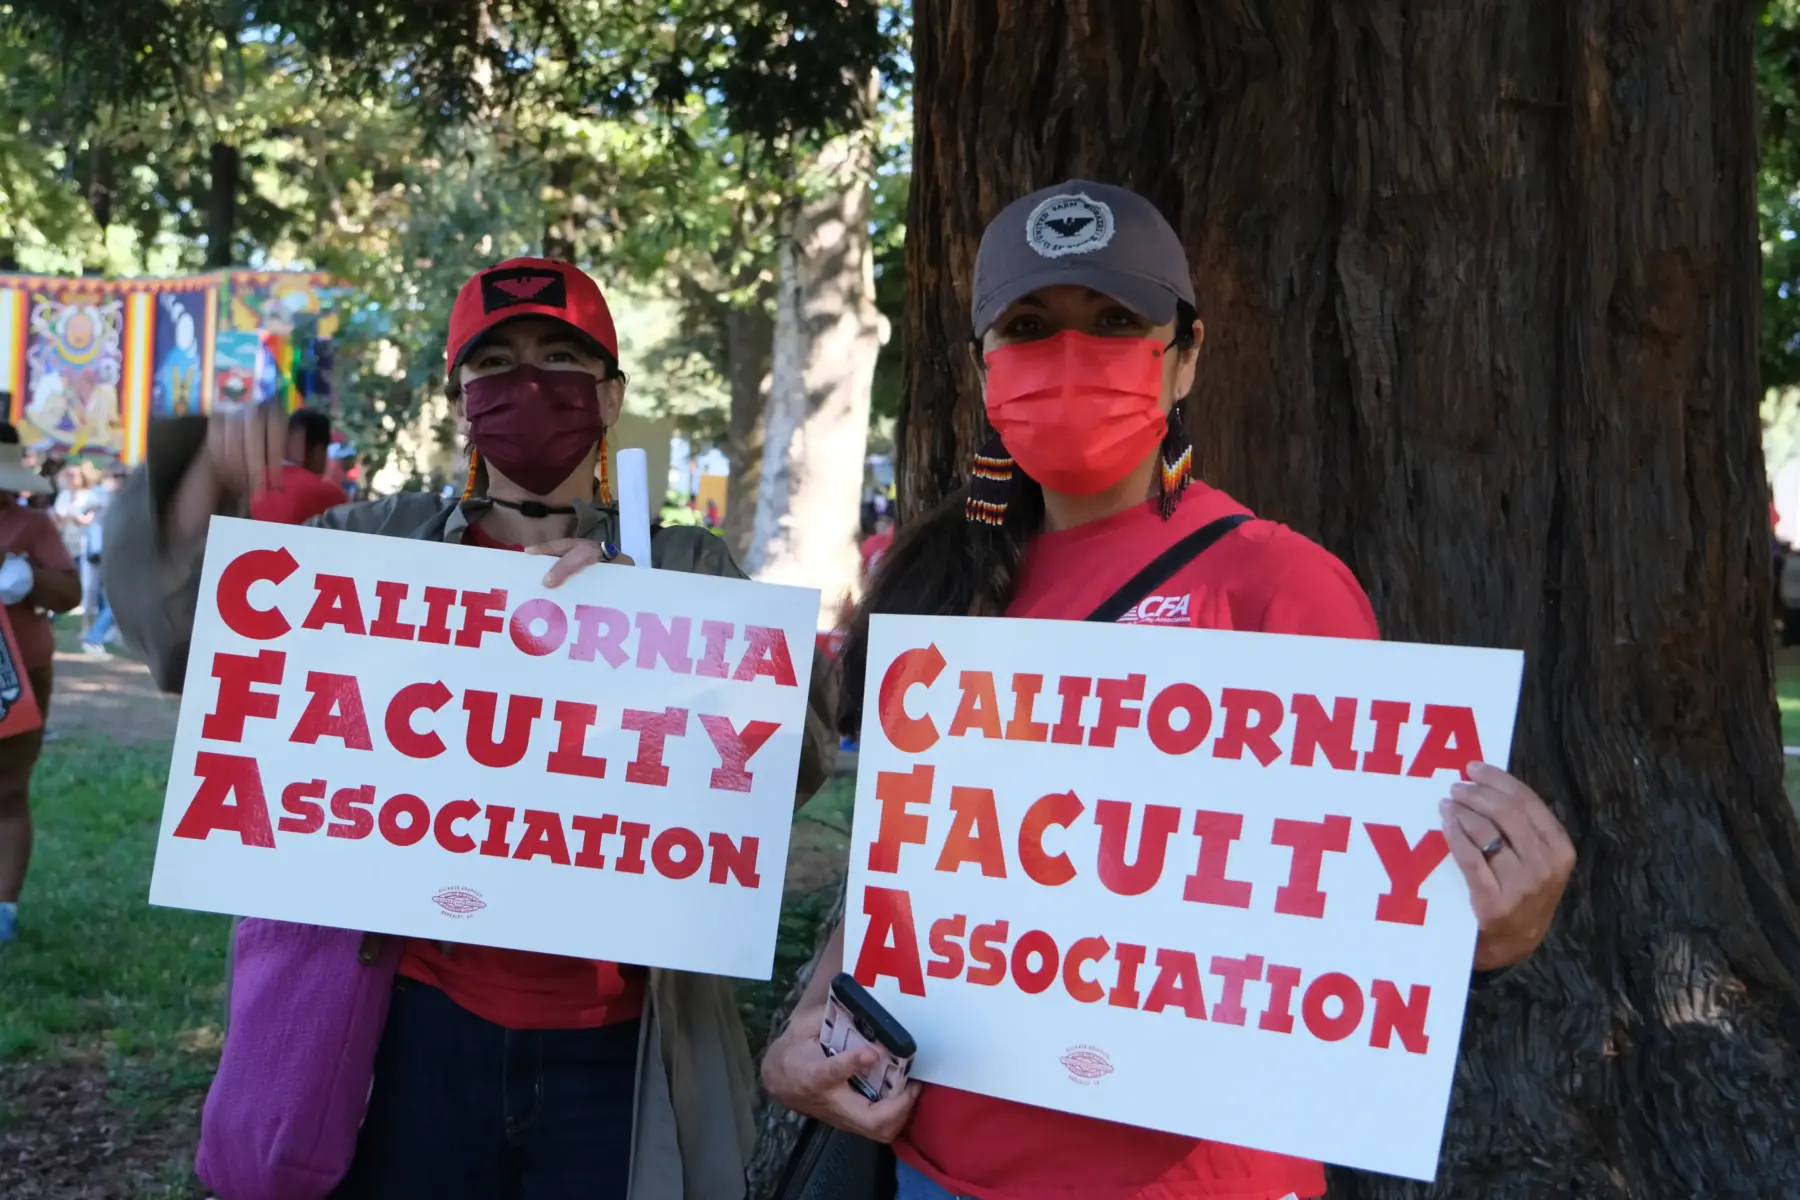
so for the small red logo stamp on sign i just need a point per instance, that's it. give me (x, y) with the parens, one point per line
(459, 901)
(1087, 1064)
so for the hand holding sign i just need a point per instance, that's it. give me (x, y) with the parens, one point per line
(1517, 858)
(572, 555)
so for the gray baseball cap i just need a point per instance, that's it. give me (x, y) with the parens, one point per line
(1087, 234)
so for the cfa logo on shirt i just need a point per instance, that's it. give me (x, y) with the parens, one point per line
(1161, 610)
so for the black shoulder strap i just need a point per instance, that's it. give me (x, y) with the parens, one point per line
(1164, 565)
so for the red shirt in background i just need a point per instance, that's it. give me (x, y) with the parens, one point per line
(516, 989)
(873, 547)
(1261, 577)
(301, 496)
(31, 532)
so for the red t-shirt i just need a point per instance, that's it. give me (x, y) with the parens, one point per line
(301, 496)
(31, 532)
(517, 989)
(1261, 577)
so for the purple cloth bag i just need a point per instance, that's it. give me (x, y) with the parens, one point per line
(307, 1009)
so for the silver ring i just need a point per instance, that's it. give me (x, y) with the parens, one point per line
(608, 552)
(1494, 847)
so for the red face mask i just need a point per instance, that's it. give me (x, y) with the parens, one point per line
(534, 426)
(1078, 412)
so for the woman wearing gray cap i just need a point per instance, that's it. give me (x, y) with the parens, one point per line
(1088, 337)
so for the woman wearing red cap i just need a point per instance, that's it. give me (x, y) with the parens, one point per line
(1087, 340)
(499, 1073)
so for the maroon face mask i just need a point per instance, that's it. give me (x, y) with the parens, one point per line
(534, 426)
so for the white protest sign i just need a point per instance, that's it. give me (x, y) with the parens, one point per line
(421, 739)
(1182, 879)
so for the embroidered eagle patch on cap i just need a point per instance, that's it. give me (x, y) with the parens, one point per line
(1069, 224)
(523, 285)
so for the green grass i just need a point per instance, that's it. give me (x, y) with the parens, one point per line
(96, 968)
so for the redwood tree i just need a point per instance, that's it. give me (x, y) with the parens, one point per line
(1480, 283)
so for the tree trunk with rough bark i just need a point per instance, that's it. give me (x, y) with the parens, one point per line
(1480, 285)
(221, 206)
(827, 336)
(749, 338)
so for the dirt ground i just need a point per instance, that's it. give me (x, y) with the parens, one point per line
(111, 696)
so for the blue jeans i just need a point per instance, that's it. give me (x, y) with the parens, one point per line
(466, 1110)
(103, 624)
(914, 1186)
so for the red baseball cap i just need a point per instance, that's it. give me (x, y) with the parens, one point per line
(529, 287)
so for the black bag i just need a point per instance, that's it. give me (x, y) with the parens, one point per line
(829, 1164)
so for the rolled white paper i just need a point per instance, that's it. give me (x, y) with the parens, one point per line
(634, 505)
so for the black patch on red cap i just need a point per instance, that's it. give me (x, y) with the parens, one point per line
(523, 285)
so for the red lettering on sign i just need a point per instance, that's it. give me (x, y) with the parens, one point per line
(444, 827)
(1314, 732)
(350, 813)
(408, 700)
(631, 861)
(1025, 693)
(946, 944)
(573, 720)
(986, 947)
(898, 791)
(1029, 979)
(1337, 986)
(387, 623)
(481, 616)
(1407, 867)
(735, 748)
(654, 729)
(240, 574)
(735, 859)
(1114, 715)
(980, 707)
(509, 749)
(1278, 1017)
(1068, 729)
(436, 629)
(1208, 884)
(495, 845)
(1251, 719)
(1403, 1017)
(600, 631)
(543, 836)
(669, 642)
(223, 776)
(909, 735)
(1451, 741)
(1114, 818)
(592, 829)
(713, 636)
(670, 864)
(1196, 714)
(1310, 841)
(891, 945)
(1178, 984)
(335, 603)
(303, 802)
(1384, 757)
(1124, 992)
(974, 834)
(238, 701)
(1058, 809)
(1085, 950)
(766, 654)
(416, 826)
(1235, 972)
(556, 627)
(334, 709)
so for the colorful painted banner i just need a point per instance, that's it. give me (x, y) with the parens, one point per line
(178, 373)
(74, 369)
(88, 363)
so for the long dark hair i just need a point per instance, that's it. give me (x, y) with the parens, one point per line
(945, 565)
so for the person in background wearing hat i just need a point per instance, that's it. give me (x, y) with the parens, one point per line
(38, 576)
(501, 1073)
(299, 490)
(1087, 339)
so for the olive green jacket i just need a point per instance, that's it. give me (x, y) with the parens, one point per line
(696, 1083)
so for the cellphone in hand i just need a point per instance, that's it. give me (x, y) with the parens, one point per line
(854, 1019)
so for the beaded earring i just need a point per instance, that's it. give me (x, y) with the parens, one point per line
(990, 484)
(1177, 460)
